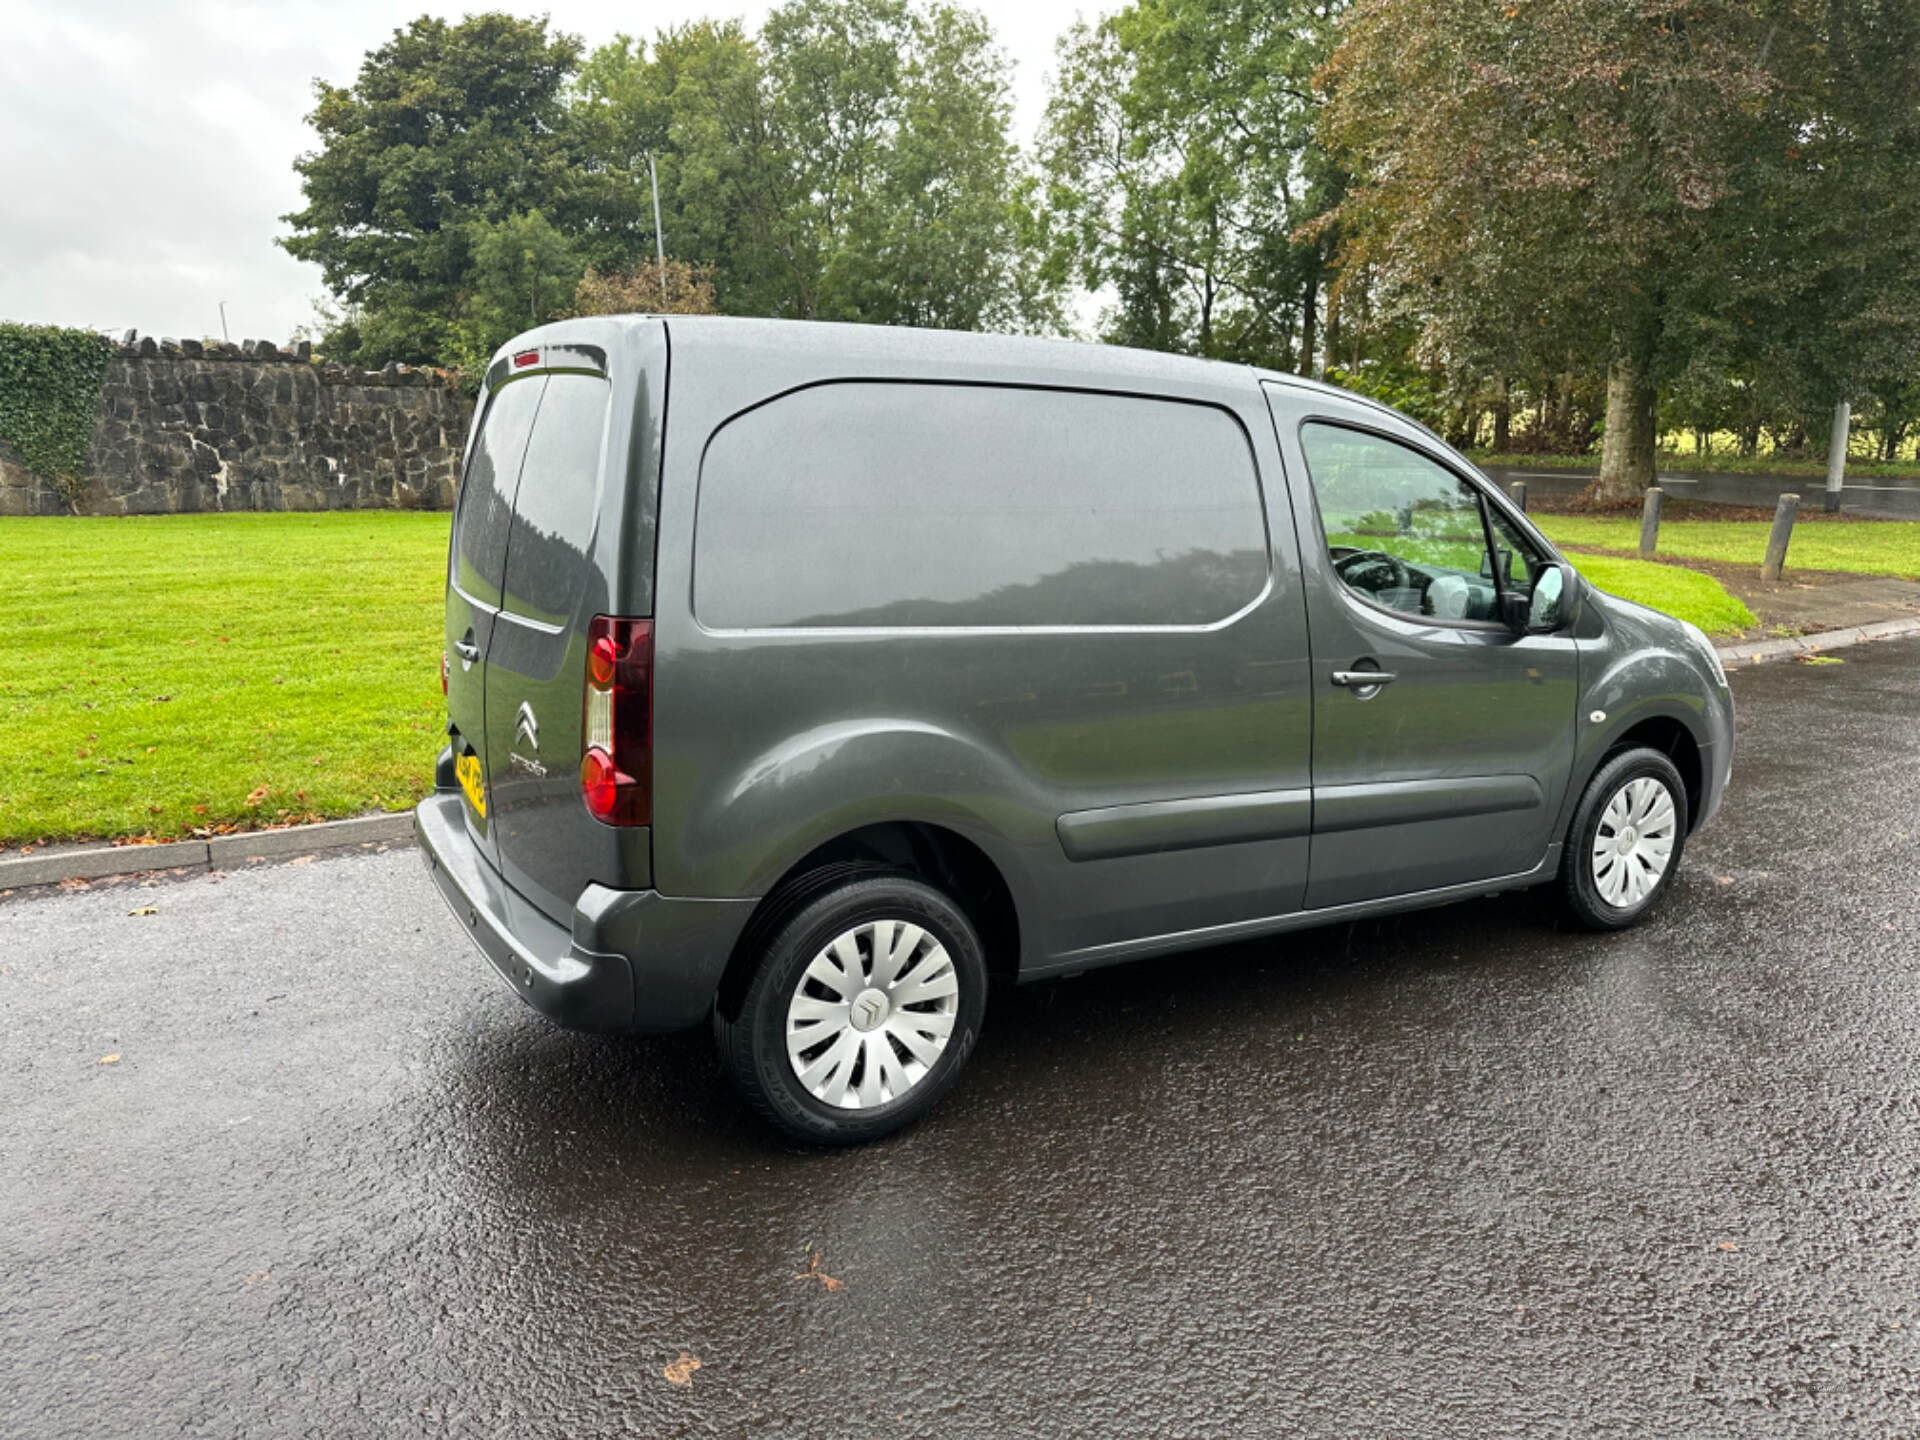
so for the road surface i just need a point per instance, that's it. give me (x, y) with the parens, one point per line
(1452, 1175)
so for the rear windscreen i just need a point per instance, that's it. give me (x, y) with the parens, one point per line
(486, 495)
(559, 498)
(871, 504)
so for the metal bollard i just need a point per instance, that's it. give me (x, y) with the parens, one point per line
(1783, 517)
(1518, 490)
(1650, 522)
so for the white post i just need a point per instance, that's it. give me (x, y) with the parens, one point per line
(1837, 453)
(659, 236)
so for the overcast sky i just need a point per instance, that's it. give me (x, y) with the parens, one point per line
(147, 146)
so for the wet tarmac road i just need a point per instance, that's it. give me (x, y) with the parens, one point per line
(1451, 1175)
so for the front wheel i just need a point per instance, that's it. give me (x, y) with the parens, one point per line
(1625, 842)
(865, 1004)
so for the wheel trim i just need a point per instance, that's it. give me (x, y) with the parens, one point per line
(871, 1014)
(1633, 843)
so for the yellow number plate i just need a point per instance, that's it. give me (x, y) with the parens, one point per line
(467, 767)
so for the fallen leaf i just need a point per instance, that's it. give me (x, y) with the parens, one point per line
(1723, 879)
(113, 1059)
(680, 1372)
(145, 910)
(1729, 1246)
(254, 797)
(814, 1272)
(259, 1277)
(301, 860)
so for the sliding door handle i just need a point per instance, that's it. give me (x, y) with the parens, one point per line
(1363, 679)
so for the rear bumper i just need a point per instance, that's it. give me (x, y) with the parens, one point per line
(633, 961)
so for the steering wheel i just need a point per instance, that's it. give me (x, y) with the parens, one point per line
(1401, 576)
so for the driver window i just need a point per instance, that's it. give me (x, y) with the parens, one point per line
(1402, 532)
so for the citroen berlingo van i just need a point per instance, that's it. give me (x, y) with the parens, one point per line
(803, 679)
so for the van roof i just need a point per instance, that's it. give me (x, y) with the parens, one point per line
(883, 345)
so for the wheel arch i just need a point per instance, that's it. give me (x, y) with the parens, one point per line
(933, 853)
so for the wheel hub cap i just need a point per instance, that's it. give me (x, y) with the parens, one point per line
(872, 1013)
(870, 1008)
(1634, 842)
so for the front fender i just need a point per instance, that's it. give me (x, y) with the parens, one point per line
(1641, 667)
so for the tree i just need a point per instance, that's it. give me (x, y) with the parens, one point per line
(1180, 153)
(523, 273)
(852, 163)
(449, 127)
(1563, 171)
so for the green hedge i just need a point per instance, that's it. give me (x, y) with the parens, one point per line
(50, 382)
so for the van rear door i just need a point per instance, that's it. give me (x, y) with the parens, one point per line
(475, 571)
(549, 847)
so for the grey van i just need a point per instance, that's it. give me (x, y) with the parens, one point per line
(804, 677)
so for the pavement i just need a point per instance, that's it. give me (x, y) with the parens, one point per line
(1892, 499)
(282, 1158)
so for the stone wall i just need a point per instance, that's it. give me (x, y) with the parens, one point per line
(191, 426)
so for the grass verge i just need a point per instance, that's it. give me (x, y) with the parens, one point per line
(169, 675)
(173, 675)
(1884, 548)
(1684, 594)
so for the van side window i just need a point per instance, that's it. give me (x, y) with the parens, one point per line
(1403, 532)
(486, 494)
(558, 500)
(937, 505)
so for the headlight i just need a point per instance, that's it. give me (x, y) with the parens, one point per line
(1705, 646)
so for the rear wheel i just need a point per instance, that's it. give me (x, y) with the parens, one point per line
(865, 1004)
(1625, 842)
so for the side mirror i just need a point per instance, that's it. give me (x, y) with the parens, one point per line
(1546, 608)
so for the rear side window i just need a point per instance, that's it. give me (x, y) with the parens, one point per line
(559, 498)
(954, 505)
(486, 495)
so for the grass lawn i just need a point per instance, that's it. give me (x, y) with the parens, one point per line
(1863, 547)
(171, 674)
(1687, 594)
(168, 674)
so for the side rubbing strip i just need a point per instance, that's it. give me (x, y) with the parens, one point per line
(1405, 802)
(1118, 830)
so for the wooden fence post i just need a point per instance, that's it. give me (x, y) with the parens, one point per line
(1783, 516)
(1650, 522)
(1518, 490)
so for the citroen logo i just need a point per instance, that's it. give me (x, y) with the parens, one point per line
(526, 728)
(870, 1007)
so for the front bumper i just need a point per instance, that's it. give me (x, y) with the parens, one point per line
(633, 962)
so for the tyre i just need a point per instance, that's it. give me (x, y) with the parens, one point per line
(1625, 842)
(863, 1007)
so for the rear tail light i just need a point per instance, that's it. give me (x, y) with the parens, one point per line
(616, 727)
(443, 672)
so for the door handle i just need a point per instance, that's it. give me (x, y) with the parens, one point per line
(466, 650)
(1363, 679)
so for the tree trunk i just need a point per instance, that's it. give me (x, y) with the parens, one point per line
(1626, 446)
(1308, 303)
(1502, 419)
(1333, 332)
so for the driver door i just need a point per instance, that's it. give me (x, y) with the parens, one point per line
(1449, 768)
